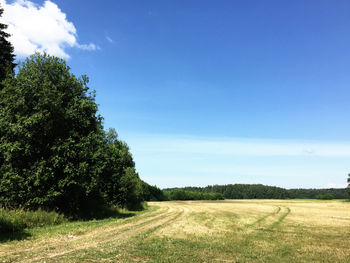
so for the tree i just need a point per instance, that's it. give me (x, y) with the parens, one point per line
(51, 139)
(120, 184)
(7, 58)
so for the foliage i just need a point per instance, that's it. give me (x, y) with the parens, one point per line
(259, 191)
(50, 139)
(12, 221)
(153, 193)
(242, 191)
(327, 196)
(118, 179)
(336, 193)
(7, 58)
(120, 183)
(178, 194)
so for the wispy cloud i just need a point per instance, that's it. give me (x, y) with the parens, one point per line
(40, 28)
(89, 47)
(241, 147)
(173, 160)
(110, 40)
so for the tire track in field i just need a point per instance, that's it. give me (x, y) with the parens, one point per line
(261, 223)
(280, 219)
(261, 220)
(277, 218)
(184, 221)
(259, 233)
(116, 238)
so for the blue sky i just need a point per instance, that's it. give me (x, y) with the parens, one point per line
(212, 92)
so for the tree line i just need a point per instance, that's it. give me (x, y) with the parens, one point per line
(331, 193)
(182, 194)
(259, 191)
(54, 151)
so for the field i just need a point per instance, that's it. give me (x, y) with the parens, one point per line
(197, 231)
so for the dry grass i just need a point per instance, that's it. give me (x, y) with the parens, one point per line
(199, 231)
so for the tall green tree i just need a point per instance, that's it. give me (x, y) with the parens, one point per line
(51, 144)
(7, 57)
(120, 183)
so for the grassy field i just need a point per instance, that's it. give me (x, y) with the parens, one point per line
(197, 231)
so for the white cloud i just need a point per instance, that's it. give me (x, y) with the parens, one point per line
(40, 28)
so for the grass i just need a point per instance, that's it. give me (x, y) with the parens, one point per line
(198, 231)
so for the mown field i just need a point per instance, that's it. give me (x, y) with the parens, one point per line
(196, 231)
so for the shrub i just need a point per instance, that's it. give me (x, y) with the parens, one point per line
(12, 221)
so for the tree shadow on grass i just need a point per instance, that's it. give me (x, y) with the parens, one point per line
(15, 236)
(103, 213)
(114, 215)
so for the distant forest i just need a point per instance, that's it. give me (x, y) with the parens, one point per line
(253, 191)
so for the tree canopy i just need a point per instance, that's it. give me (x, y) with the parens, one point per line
(50, 137)
(7, 57)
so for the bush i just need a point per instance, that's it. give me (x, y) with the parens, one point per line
(12, 221)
